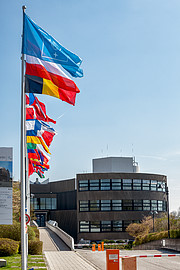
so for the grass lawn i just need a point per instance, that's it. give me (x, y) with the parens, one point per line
(34, 261)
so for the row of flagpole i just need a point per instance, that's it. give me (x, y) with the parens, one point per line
(43, 75)
(24, 180)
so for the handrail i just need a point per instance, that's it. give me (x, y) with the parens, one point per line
(67, 239)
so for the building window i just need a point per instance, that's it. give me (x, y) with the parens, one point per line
(138, 205)
(146, 205)
(83, 185)
(42, 203)
(160, 206)
(145, 184)
(95, 226)
(154, 205)
(94, 205)
(136, 184)
(116, 205)
(127, 205)
(105, 184)
(117, 225)
(83, 206)
(54, 203)
(153, 185)
(126, 224)
(48, 203)
(105, 205)
(84, 226)
(94, 184)
(116, 184)
(127, 184)
(106, 226)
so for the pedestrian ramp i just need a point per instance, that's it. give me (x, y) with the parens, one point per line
(51, 241)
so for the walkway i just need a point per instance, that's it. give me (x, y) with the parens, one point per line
(51, 242)
(59, 256)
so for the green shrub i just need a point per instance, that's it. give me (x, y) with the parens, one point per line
(35, 247)
(8, 247)
(11, 231)
(31, 233)
(36, 230)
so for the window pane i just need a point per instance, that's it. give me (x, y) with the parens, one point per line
(160, 186)
(83, 206)
(160, 205)
(153, 185)
(48, 203)
(116, 205)
(138, 205)
(95, 226)
(94, 205)
(83, 185)
(116, 184)
(117, 225)
(36, 203)
(54, 203)
(127, 205)
(84, 226)
(136, 184)
(105, 184)
(145, 184)
(154, 205)
(94, 184)
(146, 205)
(127, 184)
(105, 205)
(105, 226)
(42, 203)
(126, 224)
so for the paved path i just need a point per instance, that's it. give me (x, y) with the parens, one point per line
(59, 256)
(67, 260)
(51, 242)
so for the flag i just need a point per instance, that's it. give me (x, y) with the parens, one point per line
(39, 128)
(37, 163)
(31, 168)
(38, 43)
(38, 154)
(37, 140)
(47, 78)
(36, 109)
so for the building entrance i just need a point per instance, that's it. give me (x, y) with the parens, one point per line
(41, 219)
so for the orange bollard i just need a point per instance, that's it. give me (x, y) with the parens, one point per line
(102, 246)
(99, 247)
(94, 247)
(112, 259)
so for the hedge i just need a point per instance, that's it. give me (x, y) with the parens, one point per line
(14, 232)
(8, 247)
(155, 236)
(35, 247)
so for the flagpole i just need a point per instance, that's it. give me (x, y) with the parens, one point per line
(22, 165)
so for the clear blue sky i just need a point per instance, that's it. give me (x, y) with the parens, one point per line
(129, 103)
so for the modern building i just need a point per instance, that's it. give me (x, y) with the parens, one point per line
(100, 205)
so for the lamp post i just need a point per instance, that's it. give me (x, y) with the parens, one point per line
(167, 196)
(153, 214)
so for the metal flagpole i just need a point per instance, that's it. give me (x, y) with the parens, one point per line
(22, 166)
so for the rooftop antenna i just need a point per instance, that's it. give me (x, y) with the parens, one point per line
(107, 150)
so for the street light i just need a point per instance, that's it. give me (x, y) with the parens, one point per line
(167, 196)
(153, 213)
(167, 199)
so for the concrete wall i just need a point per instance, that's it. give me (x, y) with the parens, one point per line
(172, 244)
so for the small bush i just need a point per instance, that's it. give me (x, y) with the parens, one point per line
(35, 247)
(36, 230)
(11, 231)
(31, 233)
(8, 247)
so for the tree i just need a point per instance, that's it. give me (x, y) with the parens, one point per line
(16, 201)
